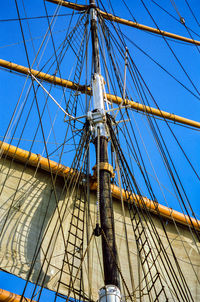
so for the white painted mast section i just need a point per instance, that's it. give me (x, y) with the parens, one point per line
(98, 116)
(97, 87)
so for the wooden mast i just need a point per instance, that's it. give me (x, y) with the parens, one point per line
(111, 275)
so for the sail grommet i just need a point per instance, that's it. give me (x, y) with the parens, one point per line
(104, 166)
(110, 293)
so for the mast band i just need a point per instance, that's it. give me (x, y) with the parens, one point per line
(104, 166)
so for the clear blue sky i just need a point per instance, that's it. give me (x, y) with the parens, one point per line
(170, 95)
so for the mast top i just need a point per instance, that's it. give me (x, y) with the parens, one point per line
(92, 4)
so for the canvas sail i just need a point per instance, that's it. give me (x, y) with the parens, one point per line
(31, 229)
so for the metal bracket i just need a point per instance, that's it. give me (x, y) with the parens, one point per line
(97, 119)
(93, 13)
(97, 116)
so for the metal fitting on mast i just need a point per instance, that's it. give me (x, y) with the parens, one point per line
(93, 13)
(97, 117)
(110, 293)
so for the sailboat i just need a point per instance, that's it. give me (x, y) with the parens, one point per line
(99, 151)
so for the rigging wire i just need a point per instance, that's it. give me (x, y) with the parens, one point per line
(35, 99)
(184, 282)
(172, 51)
(166, 149)
(192, 12)
(37, 67)
(51, 86)
(172, 16)
(28, 40)
(39, 17)
(173, 133)
(122, 161)
(160, 66)
(68, 187)
(182, 20)
(196, 174)
(177, 11)
(153, 60)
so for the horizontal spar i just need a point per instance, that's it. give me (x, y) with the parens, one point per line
(154, 111)
(87, 90)
(6, 296)
(41, 75)
(111, 17)
(147, 28)
(51, 166)
(72, 5)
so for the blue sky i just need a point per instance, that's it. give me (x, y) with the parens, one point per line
(170, 95)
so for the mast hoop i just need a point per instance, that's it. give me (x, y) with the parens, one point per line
(104, 166)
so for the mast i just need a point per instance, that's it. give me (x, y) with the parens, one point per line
(98, 119)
